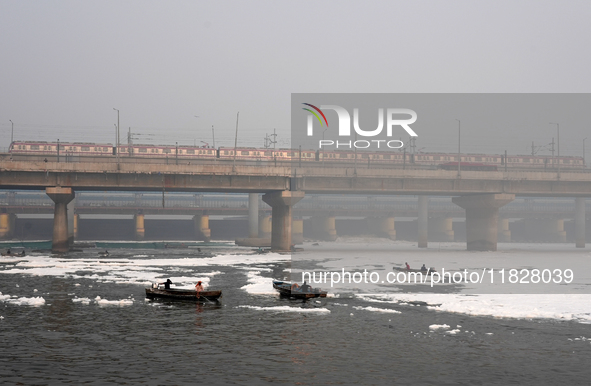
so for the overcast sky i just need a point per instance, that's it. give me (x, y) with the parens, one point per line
(66, 64)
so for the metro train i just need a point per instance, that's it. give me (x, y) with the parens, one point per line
(444, 161)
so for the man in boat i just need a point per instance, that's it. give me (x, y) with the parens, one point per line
(423, 268)
(166, 284)
(198, 288)
(407, 266)
(305, 287)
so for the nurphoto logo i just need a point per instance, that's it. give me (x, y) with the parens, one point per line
(394, 117)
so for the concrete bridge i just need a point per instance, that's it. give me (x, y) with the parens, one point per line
(481, 194)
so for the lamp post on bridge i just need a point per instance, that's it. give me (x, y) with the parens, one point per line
(584, 163)
(459, 128)
(117, 139)
(558, 144)
(11, 132)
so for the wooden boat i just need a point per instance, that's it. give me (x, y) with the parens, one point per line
(402, 269)
(284, 289)
(183, 294)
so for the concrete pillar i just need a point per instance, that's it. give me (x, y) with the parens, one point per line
(382, 227)
(441, 229)
(482, 213)
(265, 226)
(423, 221)
(297, 231)
(503, 232)
(202, 230)
(545, 230)
(75, 227)
(6, 226)
(140, 230)
(61, 197)
(324, 228)
(282, 203)
(580, 222)
(253, 215)
(71, 222)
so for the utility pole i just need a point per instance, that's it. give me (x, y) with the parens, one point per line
(213, 135)
(558, 144)
(117, 139)
(532, 149)
(235, 142)
(584, 164)
(459, 131)
(11, 131)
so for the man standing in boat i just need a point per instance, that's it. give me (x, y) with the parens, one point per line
(166, 284)
(198, 288)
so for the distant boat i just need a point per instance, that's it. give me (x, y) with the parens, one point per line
(427, 272)
(285, 289)
(19, 254)
(183, 294)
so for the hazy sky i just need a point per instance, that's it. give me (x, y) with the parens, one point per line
(66, 64)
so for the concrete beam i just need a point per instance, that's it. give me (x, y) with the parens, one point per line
(61, 197)
(324, 228)
(482, 213)
(282, 203)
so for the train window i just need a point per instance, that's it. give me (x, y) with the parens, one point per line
(342, 155)
(105, 149)
(191, 151)
(364, 156)
(34, 147)
(386, 156)
(144, 150)
(167, 151)
(478, 158)
(268, 153)
(565, 161)
(244, 152)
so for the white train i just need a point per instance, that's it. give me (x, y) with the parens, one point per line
(440, 160)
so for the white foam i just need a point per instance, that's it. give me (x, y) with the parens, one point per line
(438, 327)
(82, 300)
(375, 309)
(105, 302)
(288, 309)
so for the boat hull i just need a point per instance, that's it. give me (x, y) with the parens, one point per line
(183, 294)
(284, 290)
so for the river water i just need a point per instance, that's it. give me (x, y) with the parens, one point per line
(83, 319)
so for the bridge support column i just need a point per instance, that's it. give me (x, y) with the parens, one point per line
(482, 213)
(61, 197)
(253, 215)
(7, 225)
(71, 222)
(441, 229)
(140, 229)
(423, 221)
(324, 228)
(383, 227)
(75, 225)
(503, 232)
(545, 230)
(202, 230)
(265, 226)
(580, 222)
(282, 204)
(297, 231)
